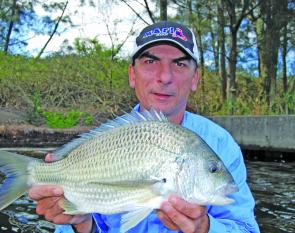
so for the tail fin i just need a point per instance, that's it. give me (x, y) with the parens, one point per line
(15, 168)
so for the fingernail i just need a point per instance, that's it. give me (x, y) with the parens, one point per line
(173, 200)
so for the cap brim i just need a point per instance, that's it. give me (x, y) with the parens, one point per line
(152, 43)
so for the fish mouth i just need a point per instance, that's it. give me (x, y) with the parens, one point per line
(222, 192)
(228, 189)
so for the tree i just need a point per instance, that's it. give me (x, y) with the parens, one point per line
(273, 16)
(237, 11)
(221, 42)
(12, 16)
(116, 42)
(11, 22)
(235, 21)
(19, 20)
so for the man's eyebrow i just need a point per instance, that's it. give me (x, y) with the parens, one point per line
(182, 58)
(147, 54)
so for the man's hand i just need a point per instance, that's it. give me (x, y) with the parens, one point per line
(47, 197)
(177, 214)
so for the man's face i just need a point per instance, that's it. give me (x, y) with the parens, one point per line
(163, 77)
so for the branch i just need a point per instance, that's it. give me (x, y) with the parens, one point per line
(180, 4)
(245, 14)
(135, 12)
(149, 11)
(131, 32)
(53, 32)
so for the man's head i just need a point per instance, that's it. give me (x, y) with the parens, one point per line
(164, 71)
(166, 32)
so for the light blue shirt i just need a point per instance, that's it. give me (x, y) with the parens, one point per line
(236, 217)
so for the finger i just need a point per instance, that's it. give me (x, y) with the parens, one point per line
(38, 192)
(47, 203)
(70, 219)
(62, 219)
(193, 211)
(77, 219)
(167, 221)
(183, 222)
(53, 212)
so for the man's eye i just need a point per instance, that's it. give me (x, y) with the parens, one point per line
(180, 64)
(149, 61)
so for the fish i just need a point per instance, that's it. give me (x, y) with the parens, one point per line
(128, 165)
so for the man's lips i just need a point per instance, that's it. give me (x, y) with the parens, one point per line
(162, 95)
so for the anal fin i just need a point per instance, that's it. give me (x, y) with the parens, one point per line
(69, 207)
(132, 218)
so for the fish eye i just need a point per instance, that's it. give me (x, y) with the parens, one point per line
(213, 167)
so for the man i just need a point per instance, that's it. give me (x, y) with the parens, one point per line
(163, 73)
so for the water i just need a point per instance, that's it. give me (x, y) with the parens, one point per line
(272, 184)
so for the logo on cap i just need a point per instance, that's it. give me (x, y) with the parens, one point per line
(178, 33)
(165, 31)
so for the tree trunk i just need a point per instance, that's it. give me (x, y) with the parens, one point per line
(235, 22)
(273, 13)
(10, 26)
(232, 88)
(259, 30)
(284, 74)
(221, 41)
(163, 10)
(284, 58)
(214, 36)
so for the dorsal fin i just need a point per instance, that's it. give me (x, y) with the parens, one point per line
(128, 118)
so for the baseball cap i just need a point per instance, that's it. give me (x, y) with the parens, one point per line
(166, 31)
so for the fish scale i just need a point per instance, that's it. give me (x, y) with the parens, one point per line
(128, 166)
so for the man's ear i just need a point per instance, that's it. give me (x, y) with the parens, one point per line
(195, 81)
(131, 76)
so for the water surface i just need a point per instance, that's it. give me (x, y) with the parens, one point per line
(273, 186)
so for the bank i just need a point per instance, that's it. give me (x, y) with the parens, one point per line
(266, 135)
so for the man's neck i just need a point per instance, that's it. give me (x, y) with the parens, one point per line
(174, 118)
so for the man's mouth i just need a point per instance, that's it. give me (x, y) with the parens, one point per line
(161, 95)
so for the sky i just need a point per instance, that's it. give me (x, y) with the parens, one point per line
(91, 22)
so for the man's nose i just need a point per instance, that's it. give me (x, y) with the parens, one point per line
(165, 75)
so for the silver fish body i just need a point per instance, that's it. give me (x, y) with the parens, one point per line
(130, 165)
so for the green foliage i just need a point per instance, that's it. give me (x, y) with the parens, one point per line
(68, 119)
(34, 112)
(88, 81)
(94, 83)
(250, 97)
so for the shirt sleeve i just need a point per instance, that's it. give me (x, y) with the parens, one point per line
(238, 216)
